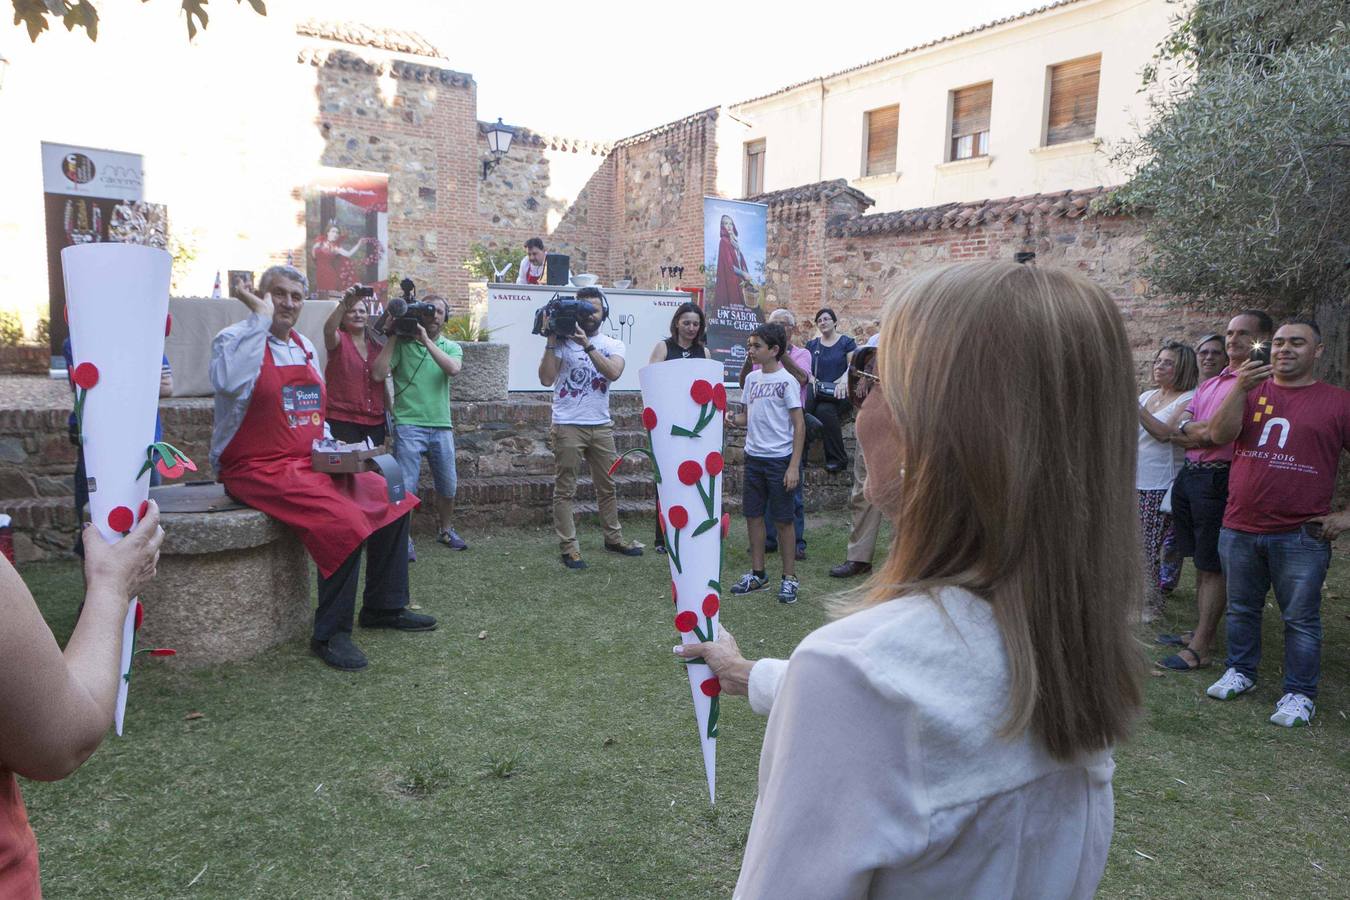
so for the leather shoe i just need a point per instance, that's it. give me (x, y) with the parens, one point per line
(573, 561)
(339, 652)
(629, 549)
(850, 568)
(400, 619)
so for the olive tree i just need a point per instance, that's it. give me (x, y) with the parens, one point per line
(1244, 170)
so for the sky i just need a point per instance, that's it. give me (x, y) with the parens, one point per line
(604, 70)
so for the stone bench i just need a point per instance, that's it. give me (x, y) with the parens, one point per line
(231, 584)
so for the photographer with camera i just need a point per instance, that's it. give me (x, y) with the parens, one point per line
(356, 401)
(422, 363)
(579, 364)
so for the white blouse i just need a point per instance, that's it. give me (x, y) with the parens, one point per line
(883, 773)
(1159, 461)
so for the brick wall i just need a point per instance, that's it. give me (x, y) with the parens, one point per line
(419, 124)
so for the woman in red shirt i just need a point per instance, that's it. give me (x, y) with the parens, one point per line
(56, 706)
(356, 403)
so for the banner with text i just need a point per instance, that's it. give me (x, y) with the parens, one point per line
(640, 319)
(91, 196)
(734, 238)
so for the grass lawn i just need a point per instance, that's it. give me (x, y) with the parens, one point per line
(541, 743)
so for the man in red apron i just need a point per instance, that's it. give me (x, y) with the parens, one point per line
(270, 403)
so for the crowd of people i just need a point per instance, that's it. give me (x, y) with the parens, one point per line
(916, 742)
(1248, 460)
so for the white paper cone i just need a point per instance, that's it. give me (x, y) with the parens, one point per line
(117, 301)
(685, 406)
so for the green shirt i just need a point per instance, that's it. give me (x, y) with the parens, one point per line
(421, 388)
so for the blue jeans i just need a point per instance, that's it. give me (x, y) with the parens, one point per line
(1295, 564)
(411, 441)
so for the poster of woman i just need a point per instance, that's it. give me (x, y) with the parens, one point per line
(346, 223)
(733, 262)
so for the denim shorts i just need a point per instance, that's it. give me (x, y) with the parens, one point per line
(411, 441)
(762, 488)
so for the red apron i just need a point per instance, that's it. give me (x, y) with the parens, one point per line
(267, 466)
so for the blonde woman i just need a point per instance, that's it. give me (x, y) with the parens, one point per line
(951, 733)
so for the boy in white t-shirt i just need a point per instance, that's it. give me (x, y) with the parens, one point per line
(775, 432)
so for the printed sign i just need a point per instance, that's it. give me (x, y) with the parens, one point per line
(734, 237)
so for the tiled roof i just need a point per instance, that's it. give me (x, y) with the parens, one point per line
(1066, 204)
(917, 47)
(810, 193)
(368, 36)
(667, 128)
(398, 68)
(552, 142)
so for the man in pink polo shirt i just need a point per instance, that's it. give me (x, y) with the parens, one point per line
(1200, 492)
(1289, 434)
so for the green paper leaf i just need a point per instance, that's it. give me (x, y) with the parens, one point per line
(715, 585)
(704, 526)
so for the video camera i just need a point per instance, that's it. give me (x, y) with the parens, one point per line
(406, 313)
(558, 317)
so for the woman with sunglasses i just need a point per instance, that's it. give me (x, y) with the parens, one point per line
(950, 733)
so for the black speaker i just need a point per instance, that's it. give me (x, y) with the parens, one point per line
(558, 268)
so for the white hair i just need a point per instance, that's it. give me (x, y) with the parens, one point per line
(783, 312)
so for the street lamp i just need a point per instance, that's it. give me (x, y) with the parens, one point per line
(499, 142)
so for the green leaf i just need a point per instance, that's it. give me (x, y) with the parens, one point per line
(704, 526)
(715, 585)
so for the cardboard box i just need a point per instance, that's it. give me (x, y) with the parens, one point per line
(344, 461)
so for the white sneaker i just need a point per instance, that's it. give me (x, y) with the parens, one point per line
(1230, 685)
(1293, 711)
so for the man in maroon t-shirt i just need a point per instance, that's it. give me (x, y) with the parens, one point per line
(1288, 436)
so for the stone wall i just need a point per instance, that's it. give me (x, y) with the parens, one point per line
(869, 257)
(661, 177)
(417, 123)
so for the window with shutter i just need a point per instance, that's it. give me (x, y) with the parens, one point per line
(754, 168)
(883, 132)
(1073, 100)
(970, 121)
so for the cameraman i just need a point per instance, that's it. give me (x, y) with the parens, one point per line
(423, 362)
(580, 368)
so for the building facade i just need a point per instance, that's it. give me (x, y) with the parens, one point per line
(1025, 105)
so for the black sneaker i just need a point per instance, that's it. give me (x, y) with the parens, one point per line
(573, 561)
(400, 619)
(629, 549)
(339, 652)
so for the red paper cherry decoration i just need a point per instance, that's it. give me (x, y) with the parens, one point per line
(168, 324)
(679, 516)
(690, 472)
(145, 508)
(648, 418)
(86, 375)
(711, 605)
(701, 391)
(711, 687)
(713, 463)
(686, 622)
(120, 519)
(140, 616)
(719, 397)
(726, 524)
(672, 593)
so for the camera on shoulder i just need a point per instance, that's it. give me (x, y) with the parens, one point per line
(559, 316)
(407, 312)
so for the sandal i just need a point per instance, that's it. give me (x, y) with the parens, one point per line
(1178, 663)
(1175, 640)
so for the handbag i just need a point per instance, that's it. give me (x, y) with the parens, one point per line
(818, 387)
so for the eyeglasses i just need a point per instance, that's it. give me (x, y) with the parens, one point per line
(862, 377)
